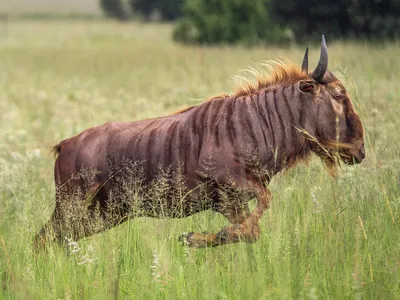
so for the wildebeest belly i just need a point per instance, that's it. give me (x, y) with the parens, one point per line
(145, 167)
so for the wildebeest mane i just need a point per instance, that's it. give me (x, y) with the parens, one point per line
(277, 73)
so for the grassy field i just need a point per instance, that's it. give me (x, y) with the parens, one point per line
(52, 7)
(322, 238)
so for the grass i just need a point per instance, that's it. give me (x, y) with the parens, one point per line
(58, 7)
(322, 238)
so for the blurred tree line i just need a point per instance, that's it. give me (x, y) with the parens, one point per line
(148, 9)
(372, 19)
(262, 21)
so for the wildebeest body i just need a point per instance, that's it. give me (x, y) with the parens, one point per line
(200, 141)
(225, 144)
(217, 141)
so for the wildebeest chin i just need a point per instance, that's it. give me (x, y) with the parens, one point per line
(213, 156)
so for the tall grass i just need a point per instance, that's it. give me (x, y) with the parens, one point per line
(322, 238)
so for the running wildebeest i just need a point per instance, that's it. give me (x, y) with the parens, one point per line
(228, 148)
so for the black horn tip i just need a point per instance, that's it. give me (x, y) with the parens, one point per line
(323, 42)
(322, 66)
(304, 65)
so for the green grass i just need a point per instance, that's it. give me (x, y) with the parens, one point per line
(322, 238)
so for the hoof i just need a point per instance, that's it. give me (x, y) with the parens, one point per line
(229, 235)
(185, 238)
(193, 240)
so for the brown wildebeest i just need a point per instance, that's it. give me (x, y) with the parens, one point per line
(222, 152)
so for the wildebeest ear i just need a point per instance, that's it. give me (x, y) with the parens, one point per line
(307, 86)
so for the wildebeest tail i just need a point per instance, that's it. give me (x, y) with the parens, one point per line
(56, 149)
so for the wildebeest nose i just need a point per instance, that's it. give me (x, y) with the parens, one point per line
(362, 151)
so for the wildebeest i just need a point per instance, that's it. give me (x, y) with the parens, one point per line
(228, 147)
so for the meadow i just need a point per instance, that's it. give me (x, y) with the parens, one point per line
(323, 238)
(49, 8)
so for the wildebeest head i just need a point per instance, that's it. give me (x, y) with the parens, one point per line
(338, 128)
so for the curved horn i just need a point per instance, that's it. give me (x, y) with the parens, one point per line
(304, 65)
(322, 66)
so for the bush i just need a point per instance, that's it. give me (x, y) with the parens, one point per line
(114, 9)
(167, 9)
(185, 31)
(227, 21)
(375, 19)
(342, 18)
(143, 7)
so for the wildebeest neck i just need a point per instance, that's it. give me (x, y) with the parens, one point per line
(258, 131)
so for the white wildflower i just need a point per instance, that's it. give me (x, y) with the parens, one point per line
(313, 293)
(16, 155)
(86, 260)
(33, 153)
(21, 132)
(88, 257)
(73, 246)
(314, 189)
(186, 248)
(90, 248)
(27, 273)
(81, 256)
(155, 267)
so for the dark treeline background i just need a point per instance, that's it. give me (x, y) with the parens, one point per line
(265, 21)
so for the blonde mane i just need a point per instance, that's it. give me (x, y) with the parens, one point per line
(279, 73)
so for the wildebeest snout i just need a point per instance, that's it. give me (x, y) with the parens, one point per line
(359, 155)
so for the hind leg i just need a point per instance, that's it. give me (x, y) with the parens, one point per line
(77, 218)
(50, 232)
(246, 230)
(63, 226)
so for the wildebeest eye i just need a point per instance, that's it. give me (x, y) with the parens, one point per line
(337, 97)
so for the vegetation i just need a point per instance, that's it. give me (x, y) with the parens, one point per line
(168, 9)
(149, 9)
(48, 8)
(365, 19)
(266, 21)
(227, 21)
(322, 238)
(114, 9)
(212, 22)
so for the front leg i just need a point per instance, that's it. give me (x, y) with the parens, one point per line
(248, 230)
